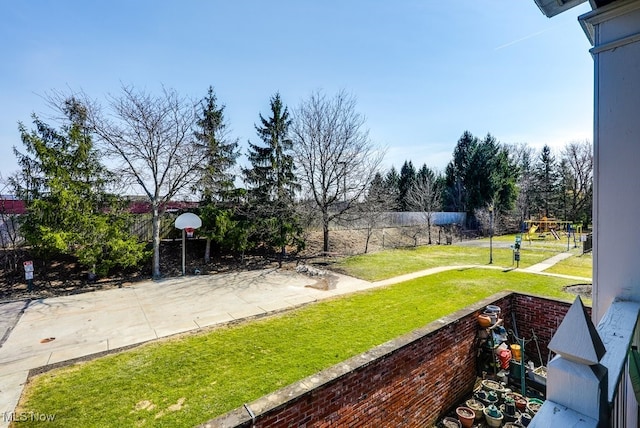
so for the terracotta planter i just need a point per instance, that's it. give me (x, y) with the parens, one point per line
(484, 321)
(466, 416)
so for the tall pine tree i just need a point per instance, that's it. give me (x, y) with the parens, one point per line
(405, 182)
(272, 180)
(212, 136)
(480, 174)
(546, 182)
(216, 184)
(457, 195)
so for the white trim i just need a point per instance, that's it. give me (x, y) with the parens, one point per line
(610, 11)
(615, 44)
(590, 20)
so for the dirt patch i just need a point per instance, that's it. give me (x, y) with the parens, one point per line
(144, 405)
(348, 242)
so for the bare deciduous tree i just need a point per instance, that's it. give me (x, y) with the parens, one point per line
(334, 155)
(523, 156)
(578, 183)
(373, 212)
(425, 196)
(151, 140)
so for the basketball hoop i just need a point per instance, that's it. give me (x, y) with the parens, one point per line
(188, 222)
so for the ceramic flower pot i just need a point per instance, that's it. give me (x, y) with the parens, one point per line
(521, 402)
(484, 321)
(493, 309)
(492, 317)
(525, 419)
(493, 416)
(491, 385)
(476, 406)
(486, 398)
(450, 422)
(533, 405)
(509, 412)
(466, 416)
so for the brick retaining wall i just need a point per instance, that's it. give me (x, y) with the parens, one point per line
(539, 315)
(409, 381)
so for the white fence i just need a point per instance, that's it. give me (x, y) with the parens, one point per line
(398, 219)
(417, 218)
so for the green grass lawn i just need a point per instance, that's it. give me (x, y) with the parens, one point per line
(391, 263)
(578, 265)
(188, 380)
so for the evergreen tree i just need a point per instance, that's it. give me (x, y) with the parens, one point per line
(456, 198)
(217, 178)
(523, 160)
(405, 182)
(377, 192)
(426, 173)
(480, 174)
(272, 180)
(503, 178)
(391, 181)
(216, 184)
(546, 182)
(69, 211)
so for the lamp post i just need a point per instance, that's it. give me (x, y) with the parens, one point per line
(491, 234)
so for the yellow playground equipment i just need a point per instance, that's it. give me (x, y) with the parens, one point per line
(540, 229)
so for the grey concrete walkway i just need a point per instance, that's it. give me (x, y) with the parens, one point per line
(546, 264)
(49, 331)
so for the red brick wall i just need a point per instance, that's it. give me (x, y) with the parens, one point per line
(410, 381)
(409, 387)
(539, 315)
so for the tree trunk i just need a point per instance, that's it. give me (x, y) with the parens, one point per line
(366, 244)
(156, 242)
(207, 251)
(325, 234)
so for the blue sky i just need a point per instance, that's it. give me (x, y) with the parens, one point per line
(423, 71)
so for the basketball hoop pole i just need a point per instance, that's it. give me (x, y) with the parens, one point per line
(187, 222)
(184, 251)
